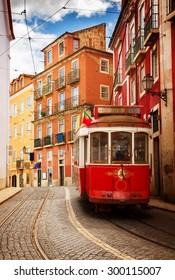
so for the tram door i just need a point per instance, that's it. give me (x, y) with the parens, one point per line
(157, 167)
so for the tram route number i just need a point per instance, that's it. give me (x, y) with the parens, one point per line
(140, 270)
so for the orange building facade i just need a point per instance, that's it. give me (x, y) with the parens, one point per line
(78, 74)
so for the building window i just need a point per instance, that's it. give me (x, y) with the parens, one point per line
(21, 82)
(154, 63)
(104, 92)
(61, 153)
(75, 97)
(28, 102)
(39, 88)
(21, 129)
(14, 132)
(142, 74)
(49, 129)
(39, 156)
(28, 153)
(21, 153)
(39, 132)
(104, 65)
(61, 76)
(75, 44)
(15, 87)
(14, 156)
(61, 102)
(74, 119)
(28, 127)
(49, 106)
(21, 106)
(61, 48)
(49, 155)
(39, 110)
(133, 92)
(61, 126)
(49, 83)
(49, 56)
(15, 109)
(155, 121)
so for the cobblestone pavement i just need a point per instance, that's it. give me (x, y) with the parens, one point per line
(70, 230)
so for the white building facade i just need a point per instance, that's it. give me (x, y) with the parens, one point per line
(6, 29)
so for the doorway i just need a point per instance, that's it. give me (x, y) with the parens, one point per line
(39, 177)
(14, 181)
(61, 175)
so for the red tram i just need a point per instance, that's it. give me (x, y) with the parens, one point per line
(111, 157)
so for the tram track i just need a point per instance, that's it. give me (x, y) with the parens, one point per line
(34, 232)
(88, 235)
(142, 236)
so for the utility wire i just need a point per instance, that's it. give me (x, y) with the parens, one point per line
(97, 11)
(42, 22)
(29, 38)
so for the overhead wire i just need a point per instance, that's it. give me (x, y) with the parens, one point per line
(42, 22)
(29, 38)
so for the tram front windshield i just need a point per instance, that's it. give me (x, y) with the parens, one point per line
(120, 147)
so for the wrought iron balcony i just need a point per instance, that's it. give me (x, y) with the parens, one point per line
(48, 88)
(48, 140)
(60, 138)
(170, 10)
(71, 135)
(38, 94)
(37, 143)
(66, 104)
(151, 29)
(139, 48)
(60, 83)
(118, 79)
(130, 60)
(73, 76)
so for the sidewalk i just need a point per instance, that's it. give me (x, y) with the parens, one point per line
(154, 202)
(158, 203)
(7, 193)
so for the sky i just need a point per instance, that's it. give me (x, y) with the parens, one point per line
(37, 23)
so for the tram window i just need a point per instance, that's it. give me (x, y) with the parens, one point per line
(121, 147)
(141, 147)
(99, 147)
(76, 152)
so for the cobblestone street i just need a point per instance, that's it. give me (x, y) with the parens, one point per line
(64, 226)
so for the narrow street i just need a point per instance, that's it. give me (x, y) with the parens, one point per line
(55, 223)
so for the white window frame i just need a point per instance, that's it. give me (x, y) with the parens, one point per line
(101, 92)
(104, 68)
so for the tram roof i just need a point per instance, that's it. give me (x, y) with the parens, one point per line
(119, 120)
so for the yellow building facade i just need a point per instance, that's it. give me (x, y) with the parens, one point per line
(21, 131)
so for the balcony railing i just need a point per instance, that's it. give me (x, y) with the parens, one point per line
(151, 30)
(38, 94)
(130, 60)
(118, 79)
(170, 10)
(73, 76)
(37, 143)
(60, 83)
(59, 138)
(47, 89)
(45, 112)
(48, 140)
(71, 135)
(66, 104)
(139, 49)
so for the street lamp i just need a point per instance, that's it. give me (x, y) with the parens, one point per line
(148, 84)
